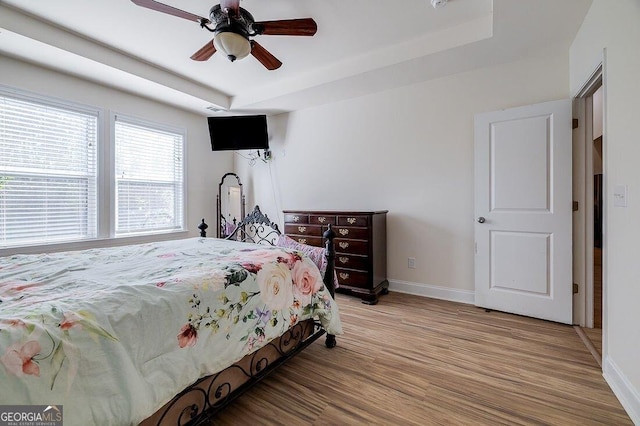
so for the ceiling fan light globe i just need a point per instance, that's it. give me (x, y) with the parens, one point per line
(233, 45)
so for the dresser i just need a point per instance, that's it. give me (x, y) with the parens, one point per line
(361, 246)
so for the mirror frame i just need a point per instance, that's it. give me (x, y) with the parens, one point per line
(221, 221)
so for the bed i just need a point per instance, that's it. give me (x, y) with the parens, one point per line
(158, 333)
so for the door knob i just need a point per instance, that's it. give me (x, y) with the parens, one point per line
(481, 219)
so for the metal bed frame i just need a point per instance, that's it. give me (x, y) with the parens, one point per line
(198, 404)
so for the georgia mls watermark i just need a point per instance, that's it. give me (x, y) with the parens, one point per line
(30, 415)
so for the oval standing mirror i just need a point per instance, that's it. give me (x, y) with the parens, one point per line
(230, 201)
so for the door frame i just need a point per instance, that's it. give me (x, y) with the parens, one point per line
(583, 236)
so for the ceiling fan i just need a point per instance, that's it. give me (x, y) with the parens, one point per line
(234, 28)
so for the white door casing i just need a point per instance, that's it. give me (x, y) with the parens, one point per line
(523, 261)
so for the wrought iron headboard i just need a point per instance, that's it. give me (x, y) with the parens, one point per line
(257, 228)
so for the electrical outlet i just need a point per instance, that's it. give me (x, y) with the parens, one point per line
(411, 263)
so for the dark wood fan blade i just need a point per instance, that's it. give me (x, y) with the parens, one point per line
(233, 5)
(269, 61)
(205, 52)
(292, 27)
(160, 7)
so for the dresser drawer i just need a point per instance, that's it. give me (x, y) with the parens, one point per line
(310, 241)
(354, 220)
(352, 278)
(296, 218)
(351, 232)
(303, 229)
(360, 246)
(322, 219)
(352, 261)
(351, 246)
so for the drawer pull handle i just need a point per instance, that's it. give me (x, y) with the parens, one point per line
(302, 240)
(343, 244)
(343, 231)
(351, 220)
(322, 219)
(344, 275)
(302, 229)
(296, 218)
(343, 259)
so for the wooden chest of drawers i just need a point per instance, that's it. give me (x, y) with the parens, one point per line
(361, 246)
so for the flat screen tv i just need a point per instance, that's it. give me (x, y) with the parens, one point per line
(238, 132)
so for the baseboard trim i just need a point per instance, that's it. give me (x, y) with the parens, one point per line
(433, 291)
(623, 389)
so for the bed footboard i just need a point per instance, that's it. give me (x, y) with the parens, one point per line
(197, 404)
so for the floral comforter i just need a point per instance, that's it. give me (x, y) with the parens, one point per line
(112, 334)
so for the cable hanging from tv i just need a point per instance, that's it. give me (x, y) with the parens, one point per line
(253, 157)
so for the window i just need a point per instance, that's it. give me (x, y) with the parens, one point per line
(48, 171)
(60, 182)
(148, 177)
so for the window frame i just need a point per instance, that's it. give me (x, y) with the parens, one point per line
(105, 179)
(74, 107)
(137, 121)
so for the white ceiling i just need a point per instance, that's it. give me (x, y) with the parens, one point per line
(361, 46)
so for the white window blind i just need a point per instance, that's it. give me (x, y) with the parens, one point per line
(48, 177)
(149, 178)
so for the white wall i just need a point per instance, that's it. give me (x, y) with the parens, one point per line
(597, 113)
(408, 150)
(615, 27)
(203, 167)
(598, 103)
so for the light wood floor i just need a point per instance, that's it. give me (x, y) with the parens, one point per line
(418, 361)
(595, 336)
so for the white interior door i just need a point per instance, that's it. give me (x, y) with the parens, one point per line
(523, 261)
